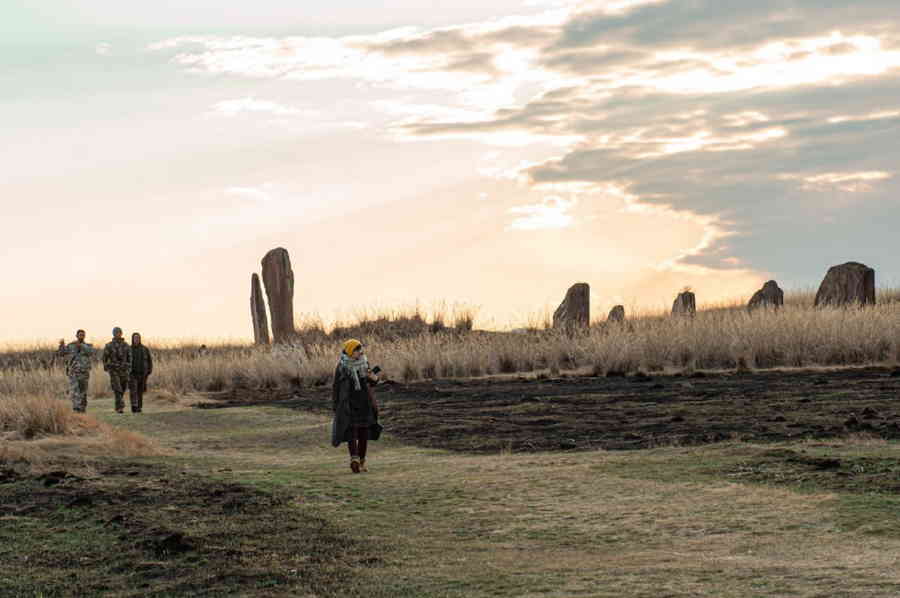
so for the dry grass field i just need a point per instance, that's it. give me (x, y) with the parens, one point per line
(409, 348)
(732, 455)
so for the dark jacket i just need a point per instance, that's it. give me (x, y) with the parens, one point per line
(141, 361)
(351, 407)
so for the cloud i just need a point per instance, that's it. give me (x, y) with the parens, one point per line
(232, 108)
(481, 63)
(721, 24)
(864, 117)
(103, 48)
(552, 213)
(849, 182)
(752, 119)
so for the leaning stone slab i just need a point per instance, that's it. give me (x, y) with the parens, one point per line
(574, 312)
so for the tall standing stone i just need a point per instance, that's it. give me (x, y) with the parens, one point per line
(616, 314)
(258, 312)
(847, 284)
(279, 281)
(685, 304)
(770, 295)
(575, 311)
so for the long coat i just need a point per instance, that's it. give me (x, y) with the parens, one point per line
(351, 407)
(141, 361)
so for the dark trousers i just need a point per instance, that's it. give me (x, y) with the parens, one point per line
(137, 386)
(359, 441)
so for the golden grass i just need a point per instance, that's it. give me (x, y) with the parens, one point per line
(32, 416)
(33, 429)
(409, 348)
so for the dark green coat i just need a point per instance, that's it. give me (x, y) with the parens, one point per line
(351, 408)
(141, 361)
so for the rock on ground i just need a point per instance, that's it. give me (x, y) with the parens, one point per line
(847, 284)
(616, 314)
(574, 312)
(770, 295)
(278, 278)
(685, 304)
(258, 312)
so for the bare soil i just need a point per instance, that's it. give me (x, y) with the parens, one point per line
(623, 412)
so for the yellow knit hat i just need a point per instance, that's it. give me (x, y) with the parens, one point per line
(351, 346)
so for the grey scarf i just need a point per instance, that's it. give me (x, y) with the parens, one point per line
(354, 368)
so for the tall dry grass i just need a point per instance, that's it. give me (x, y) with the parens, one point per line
(31, 416)
(33, 429)
(410, 348)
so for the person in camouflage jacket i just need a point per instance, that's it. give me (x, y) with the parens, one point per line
(117, 361)
(141, 368)
(77, 356)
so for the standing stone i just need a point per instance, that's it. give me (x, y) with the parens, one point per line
(685, 304)
(847, 284)
(258, 312)
(770, 295)
(279, 281)
(575, 310)
(616, 314)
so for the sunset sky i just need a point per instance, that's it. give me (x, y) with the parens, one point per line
(404, 151)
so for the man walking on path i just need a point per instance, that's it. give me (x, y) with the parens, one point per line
(77, 356)
(117, 361)
(141, 368)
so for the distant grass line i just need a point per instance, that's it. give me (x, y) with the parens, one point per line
(720, 338)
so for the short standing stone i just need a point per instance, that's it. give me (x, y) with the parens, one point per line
(258, 312)
(616, 314)
(574, 312)
(769, 296)
(685, 304)
(278, 277)
(847, 284)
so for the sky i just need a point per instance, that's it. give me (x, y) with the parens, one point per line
(435, 153)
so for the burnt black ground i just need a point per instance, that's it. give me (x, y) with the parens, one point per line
(626, 412)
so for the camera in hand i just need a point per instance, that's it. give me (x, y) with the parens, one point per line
(376, 369)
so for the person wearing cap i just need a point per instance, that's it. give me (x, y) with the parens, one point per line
(355, 410)
(117, 362)
(78, 359)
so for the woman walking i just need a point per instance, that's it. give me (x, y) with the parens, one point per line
(355, 410)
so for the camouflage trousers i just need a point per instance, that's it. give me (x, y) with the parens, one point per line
(119, 383)
(78, 386)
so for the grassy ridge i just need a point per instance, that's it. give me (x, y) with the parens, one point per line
(409, 348)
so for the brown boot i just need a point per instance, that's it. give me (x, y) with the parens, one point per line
(354, 464)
